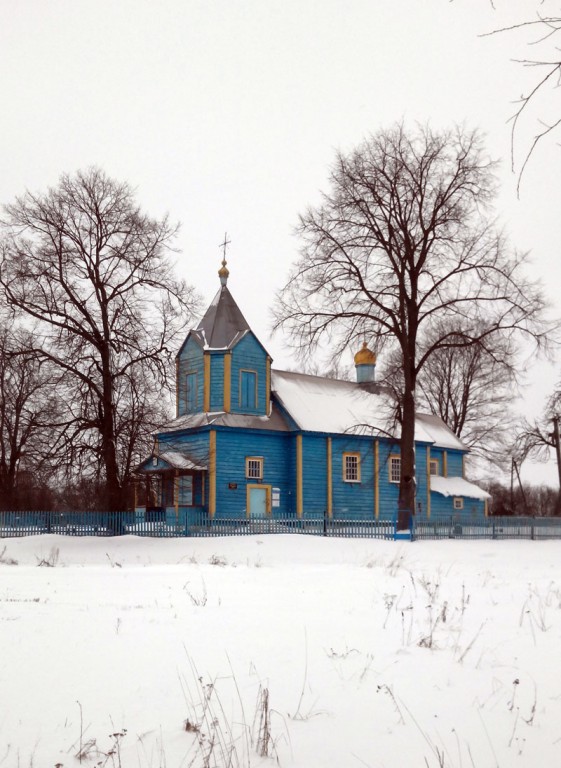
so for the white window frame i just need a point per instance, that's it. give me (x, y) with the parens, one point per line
(254, 467)
(394, 468)
(458, 502)
(351, 467)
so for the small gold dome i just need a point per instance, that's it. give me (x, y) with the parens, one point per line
(365, 356)
(223, 272)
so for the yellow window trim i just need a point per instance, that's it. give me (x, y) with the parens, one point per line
(248, 370)
(348, 454)
(435, 463)
(261, 461)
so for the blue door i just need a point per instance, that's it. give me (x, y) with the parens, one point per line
(257, 501)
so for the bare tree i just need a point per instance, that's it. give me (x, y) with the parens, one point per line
(400, 247)
(471, 388)
(30, 414)
(536, 107)
(540, 438)
(94, 271)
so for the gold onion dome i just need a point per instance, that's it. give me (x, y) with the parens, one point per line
(223, 272)
(365, 356)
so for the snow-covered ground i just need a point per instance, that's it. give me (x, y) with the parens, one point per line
(318, 652)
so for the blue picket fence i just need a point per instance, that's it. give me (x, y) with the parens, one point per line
(194, 523)
(479, 527)
(198, 523)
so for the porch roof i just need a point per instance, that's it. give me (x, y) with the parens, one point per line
(173, 460)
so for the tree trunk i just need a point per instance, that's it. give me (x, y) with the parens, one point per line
(406, 504)
(113, 494)
(557, 442)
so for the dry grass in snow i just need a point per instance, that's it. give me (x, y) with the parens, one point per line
(279, 650)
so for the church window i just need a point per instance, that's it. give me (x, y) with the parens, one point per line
(458, 502)
(434, 469)
(395, 469)
(254, 467)
(185, 490)
(248, 389)
(191, 391)
(351, 467)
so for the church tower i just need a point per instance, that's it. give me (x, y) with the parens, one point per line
(222, 367)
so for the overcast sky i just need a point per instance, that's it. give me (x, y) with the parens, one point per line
(227, 113)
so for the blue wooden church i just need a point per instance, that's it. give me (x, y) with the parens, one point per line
(249, 440)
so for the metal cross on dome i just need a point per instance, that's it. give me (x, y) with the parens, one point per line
(224, 245)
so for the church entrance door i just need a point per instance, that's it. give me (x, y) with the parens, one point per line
(258, 500)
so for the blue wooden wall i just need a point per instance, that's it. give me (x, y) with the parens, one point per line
(353, 499)
(455, 467)
(248, 354)
(190, 360)
(217, 381)
(232, 448)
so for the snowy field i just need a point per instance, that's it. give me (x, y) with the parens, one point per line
(313, 652)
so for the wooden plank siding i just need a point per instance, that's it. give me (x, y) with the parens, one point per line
(232, 449)
(190, 361)
(228, 382)
(249, 355)
(454, 463)
(314, 474)
(216, 381)
(353, 499)
(323, 491)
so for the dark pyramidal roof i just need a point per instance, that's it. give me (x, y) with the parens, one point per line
(223, 323)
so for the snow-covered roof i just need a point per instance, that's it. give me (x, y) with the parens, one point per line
(175, 460)
(457, 486)
(318, 404)
(439, 432)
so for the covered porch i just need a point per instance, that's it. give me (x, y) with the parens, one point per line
(169, 489)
